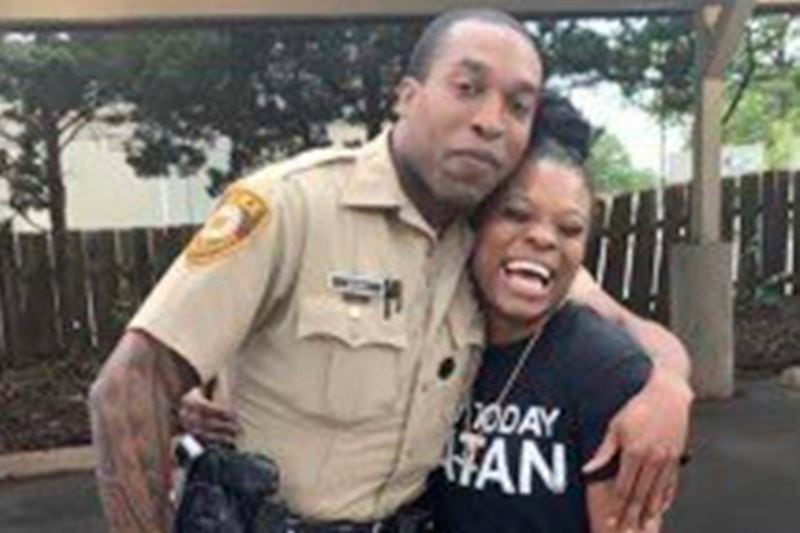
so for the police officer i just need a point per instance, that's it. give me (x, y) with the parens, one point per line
(332, 288)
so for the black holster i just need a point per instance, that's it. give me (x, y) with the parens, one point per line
(225, 490)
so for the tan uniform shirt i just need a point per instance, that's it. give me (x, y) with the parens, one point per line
(354, 400)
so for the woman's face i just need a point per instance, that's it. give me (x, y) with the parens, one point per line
(532, 242)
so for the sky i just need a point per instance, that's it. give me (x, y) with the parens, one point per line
(640, 133)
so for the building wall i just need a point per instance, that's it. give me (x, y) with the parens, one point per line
(103, 192)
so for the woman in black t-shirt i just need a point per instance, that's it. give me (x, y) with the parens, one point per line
(554, 374)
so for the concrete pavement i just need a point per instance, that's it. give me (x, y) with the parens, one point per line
(745, 477)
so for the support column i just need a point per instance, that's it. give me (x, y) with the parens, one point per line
(701, 278)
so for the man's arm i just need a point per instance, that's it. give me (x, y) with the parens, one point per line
(663, 347)
(650, 432)
(131, 405)
(600, 504)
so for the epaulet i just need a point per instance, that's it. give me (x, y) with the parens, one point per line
(313, 160)
(294, 167)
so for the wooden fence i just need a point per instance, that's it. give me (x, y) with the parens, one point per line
(112, 271)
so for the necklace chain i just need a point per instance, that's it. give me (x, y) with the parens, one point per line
(477, 439)
(509, 384)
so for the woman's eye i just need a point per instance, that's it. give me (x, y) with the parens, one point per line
(516, 214)
(571, 230)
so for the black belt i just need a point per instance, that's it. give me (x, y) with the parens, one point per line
(404, 521)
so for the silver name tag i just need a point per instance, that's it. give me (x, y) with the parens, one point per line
(357, 285)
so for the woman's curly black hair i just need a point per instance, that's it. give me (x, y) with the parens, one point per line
(559, 122)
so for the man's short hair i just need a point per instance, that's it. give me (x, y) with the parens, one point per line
(429, 43)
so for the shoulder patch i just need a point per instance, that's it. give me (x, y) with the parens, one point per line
(237, 215)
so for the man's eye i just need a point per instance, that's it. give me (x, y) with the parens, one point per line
(521, 108)
(467, 88)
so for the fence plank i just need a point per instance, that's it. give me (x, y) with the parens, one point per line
(77, 308)
(134, 260)
(673, 229)
(796, 233)
(775, 195)
(142, 268)
(644, 254)
(594, 245)
(749, 245)
(619, 227)
(730, 207)
(167, 244)
(9, 297)
(37, 301)
(104, 277)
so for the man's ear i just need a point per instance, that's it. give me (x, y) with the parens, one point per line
(406, 91)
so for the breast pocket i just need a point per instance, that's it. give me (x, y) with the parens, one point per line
(362, 350)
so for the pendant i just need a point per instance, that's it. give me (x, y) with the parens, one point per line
(473, 443)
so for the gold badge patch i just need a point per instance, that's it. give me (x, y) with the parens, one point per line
(236, 217)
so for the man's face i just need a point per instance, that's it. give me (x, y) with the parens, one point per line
(466, 125)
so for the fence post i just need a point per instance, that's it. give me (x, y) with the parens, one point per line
(617, 248)
(640, 296)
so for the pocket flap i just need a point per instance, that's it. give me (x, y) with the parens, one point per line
(355, 324)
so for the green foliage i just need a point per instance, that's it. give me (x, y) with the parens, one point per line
(270, 90)
(612, 170)
(768, 111)
(51, 86)
(650, 59)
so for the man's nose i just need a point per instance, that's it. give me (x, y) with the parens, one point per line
(490, 118)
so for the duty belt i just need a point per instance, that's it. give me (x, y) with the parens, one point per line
(405, 521)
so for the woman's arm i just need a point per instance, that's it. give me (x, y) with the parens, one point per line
(601, 504)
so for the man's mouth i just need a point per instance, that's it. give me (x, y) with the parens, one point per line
(484, 157)
(527, 276)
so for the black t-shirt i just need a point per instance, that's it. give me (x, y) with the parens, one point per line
(527, 475)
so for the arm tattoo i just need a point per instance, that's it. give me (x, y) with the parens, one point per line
(131, 405)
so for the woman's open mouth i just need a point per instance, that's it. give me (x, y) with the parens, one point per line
(529, 278)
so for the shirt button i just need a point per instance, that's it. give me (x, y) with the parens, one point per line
(446, 368)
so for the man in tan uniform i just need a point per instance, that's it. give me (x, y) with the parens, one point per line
(333, 287)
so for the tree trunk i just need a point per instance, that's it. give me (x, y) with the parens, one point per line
(372, 93)
(58, 228)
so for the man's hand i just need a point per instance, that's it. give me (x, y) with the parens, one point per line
(203, 418)
(650, 432)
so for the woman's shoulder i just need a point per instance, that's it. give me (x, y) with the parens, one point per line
(584, 340)
(581, 323)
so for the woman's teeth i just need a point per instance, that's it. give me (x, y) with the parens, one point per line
(530, 270)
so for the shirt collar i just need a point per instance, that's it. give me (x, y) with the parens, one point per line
(374, 183)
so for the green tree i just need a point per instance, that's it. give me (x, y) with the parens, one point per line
(612, 170)
(52, 86)
(271, 91)
(768, 104)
